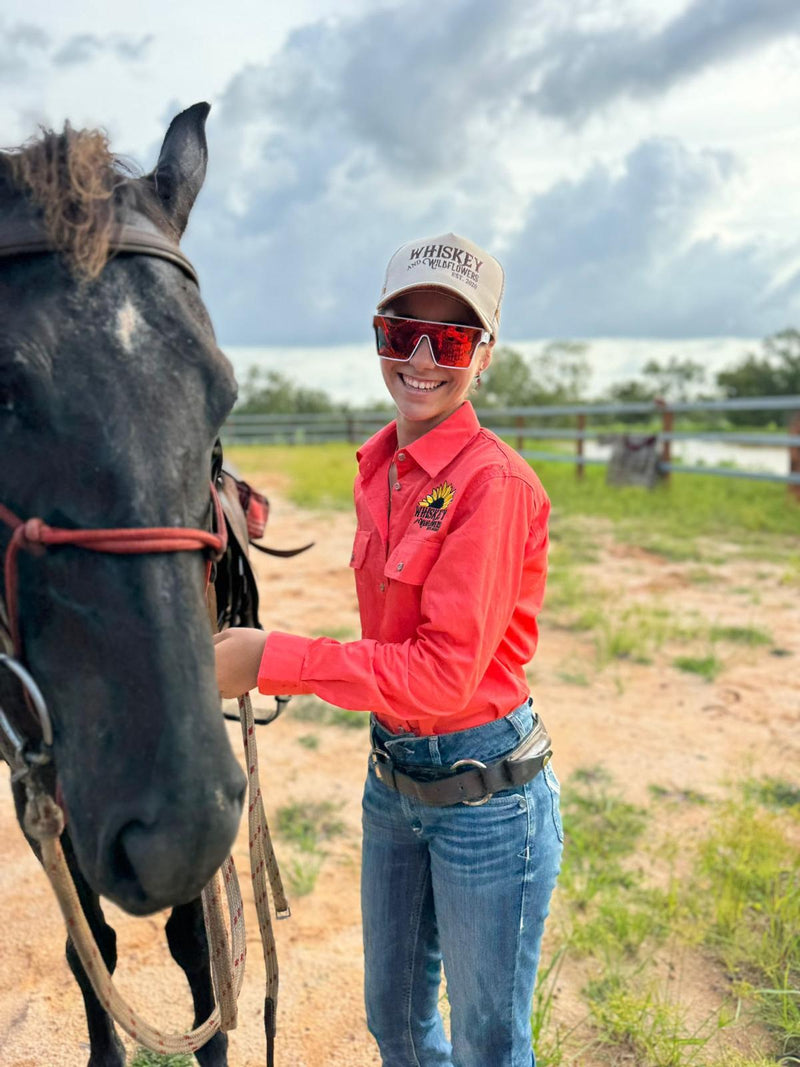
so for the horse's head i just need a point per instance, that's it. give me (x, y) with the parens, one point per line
(112, 390)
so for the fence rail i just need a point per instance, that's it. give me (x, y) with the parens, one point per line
(522, 424)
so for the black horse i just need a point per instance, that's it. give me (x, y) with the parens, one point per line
(112, 393)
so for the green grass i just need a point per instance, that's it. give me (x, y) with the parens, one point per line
(736, 906)
(571, 677)
(707, 667)
(644, 1023)
(635, 633)
(773, 793)
(677, 796)
(666, 518)
(748, 883)
(672, 514)
(740, 635)
(598, 823)
(302, 874)
(702, 576)
(308, 825)
(145, 1058)
(321, 476)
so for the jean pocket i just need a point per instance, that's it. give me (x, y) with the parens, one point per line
(554, 789)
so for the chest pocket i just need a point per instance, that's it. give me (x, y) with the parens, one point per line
(412, 560)
(359, 553)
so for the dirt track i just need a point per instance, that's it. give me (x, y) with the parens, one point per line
(645, 724)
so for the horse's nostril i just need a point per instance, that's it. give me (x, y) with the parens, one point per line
(121, 869)
(162, 857)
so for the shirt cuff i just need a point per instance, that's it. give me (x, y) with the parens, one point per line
(281, 667)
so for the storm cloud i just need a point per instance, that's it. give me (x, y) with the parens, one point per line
(565, 135)
(363, 133)
(83, 47)
(21, 47)
(583, 71)
(621, 254)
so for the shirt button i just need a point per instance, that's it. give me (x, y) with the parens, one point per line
(382, 587)
(400, 457)
(396, 485)
(400, 566)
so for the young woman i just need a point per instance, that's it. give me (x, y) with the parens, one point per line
(462, 833)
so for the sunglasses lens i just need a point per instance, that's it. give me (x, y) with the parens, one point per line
(452, 346)
(393, 338)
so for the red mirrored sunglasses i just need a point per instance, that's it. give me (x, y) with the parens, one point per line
(453, 346)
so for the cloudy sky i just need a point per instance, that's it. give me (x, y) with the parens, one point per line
(634, 164)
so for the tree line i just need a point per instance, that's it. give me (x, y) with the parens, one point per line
(559, 374)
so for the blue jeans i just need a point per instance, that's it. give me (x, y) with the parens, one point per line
(465, 886)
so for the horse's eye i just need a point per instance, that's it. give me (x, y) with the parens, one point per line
(7, 400)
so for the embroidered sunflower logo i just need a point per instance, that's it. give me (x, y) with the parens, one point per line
(439, 498)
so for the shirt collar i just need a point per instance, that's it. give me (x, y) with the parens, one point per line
(433, 451)
(380, 447)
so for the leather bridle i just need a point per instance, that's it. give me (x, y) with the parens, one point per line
(29, 239)
(35, 535)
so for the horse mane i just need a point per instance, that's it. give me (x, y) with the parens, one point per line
(77, 182)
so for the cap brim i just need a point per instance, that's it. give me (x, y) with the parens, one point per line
(431, 287)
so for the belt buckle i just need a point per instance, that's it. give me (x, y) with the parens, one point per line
(482, 767)
(382, 765)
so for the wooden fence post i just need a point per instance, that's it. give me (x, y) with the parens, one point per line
(519, 422)
(794, 454)
(579, 466)
(667, 422)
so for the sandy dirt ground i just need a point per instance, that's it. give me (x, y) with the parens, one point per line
(646, 724)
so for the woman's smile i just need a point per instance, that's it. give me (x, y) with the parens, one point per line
(424, 385)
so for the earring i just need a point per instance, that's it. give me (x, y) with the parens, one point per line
(478, 380)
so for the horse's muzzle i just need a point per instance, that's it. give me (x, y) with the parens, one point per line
(155, 857)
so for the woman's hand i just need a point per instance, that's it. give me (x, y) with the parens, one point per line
(238, 654)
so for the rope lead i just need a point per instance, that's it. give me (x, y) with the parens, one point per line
(44, 821)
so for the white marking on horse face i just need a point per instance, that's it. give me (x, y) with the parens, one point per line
(127, 320)
(219, 796)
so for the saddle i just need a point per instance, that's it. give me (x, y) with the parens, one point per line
(246, 514)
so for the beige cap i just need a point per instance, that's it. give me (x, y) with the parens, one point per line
(451, 263)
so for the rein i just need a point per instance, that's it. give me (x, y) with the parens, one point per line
(44, 821)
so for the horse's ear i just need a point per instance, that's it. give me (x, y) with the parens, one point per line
(181, 165)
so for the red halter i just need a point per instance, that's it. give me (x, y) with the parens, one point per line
(35, 535)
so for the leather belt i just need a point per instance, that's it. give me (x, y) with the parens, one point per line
(469, 781)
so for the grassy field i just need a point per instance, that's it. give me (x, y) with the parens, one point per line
(321, 476)
(630, 919)
(627, 908)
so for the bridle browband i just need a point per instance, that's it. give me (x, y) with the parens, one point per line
(30, 239)
(33, 534)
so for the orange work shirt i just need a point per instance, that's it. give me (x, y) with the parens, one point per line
(449, 583)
